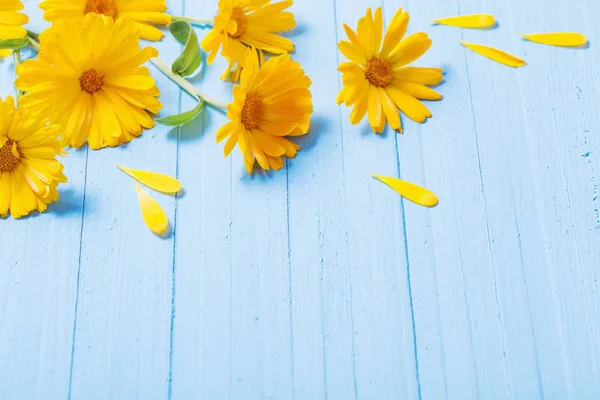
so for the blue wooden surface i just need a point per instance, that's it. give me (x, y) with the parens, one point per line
(317, 282)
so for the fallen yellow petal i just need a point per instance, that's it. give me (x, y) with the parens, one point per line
(159, 182)
(410, 191)
(153, 214)
(494, 54)
(477, 21)
(566, 39)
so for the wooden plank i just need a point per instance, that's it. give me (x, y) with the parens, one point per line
(321, 305)
(557, 93)
(448, 248)
(260, 303)
(317, 281)
(38, 277)
(241, 341)
(201, 342)
(506, 176)
(123, 307)
(384, 342)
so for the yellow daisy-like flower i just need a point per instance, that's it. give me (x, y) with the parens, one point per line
(142, 12)
(253, 23)
(377, 79)
(89, 80)
(272, 102)
(11, 21)
(29, 171)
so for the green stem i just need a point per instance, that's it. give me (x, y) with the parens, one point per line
(191, 20)
(185, 84)
(17, 58)
(35, 45)
(34, 40)
(33, 35)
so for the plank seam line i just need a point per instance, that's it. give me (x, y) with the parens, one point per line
(173, 267)
(410, 296)
(173, 273)
(230, 333)
(350, 302)
(76, 308)
(467, 310)
(289, 260)
(487, 222)
(408, 275)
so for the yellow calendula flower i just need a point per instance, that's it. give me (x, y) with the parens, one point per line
(253, 23)
(29, 170)
(272, 102)
(142, 12)
(377, 79)
(11, 21)
(88, 78)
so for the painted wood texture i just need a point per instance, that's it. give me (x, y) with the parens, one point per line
(318, 282)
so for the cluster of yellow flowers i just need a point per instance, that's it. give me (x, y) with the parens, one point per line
(88, 84)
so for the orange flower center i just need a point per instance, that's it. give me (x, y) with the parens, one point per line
(239, 17)
(379, 72)
(8, 161)
(253, 111)
(91, 81)
(106, 7)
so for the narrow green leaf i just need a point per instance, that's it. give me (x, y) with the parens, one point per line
(14, 43)
(33, 35)
(183, 118)
(191, 58)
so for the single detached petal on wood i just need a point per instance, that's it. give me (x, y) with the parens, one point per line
(565, 39)
(159, 182)
(476, 21)
(153, 214)
(410, 191)
(497, 55)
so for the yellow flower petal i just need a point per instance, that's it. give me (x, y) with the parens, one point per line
(29, 169)
(477, 21)
(565, 39)
(417, 90)
(142, 13)
(352, 35)
(365, 33)
(409, 49)
(377, 28)
(159, 182)
(390, 110)
(497, 55)
(410, 106)
(410, 191)
(340, 97)
(375, 110)
(395, 32)
(376, 81)
(351, 52)
(359, 110)
(230, 144)
(153, 214)
(89, 79)
(425, 76)
(272, 101)
(248, 23)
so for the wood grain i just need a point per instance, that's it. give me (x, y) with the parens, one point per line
(318, 282)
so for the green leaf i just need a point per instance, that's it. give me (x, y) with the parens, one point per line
(14, 43)
(183, 118)
(33, 35)
(191, 58)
